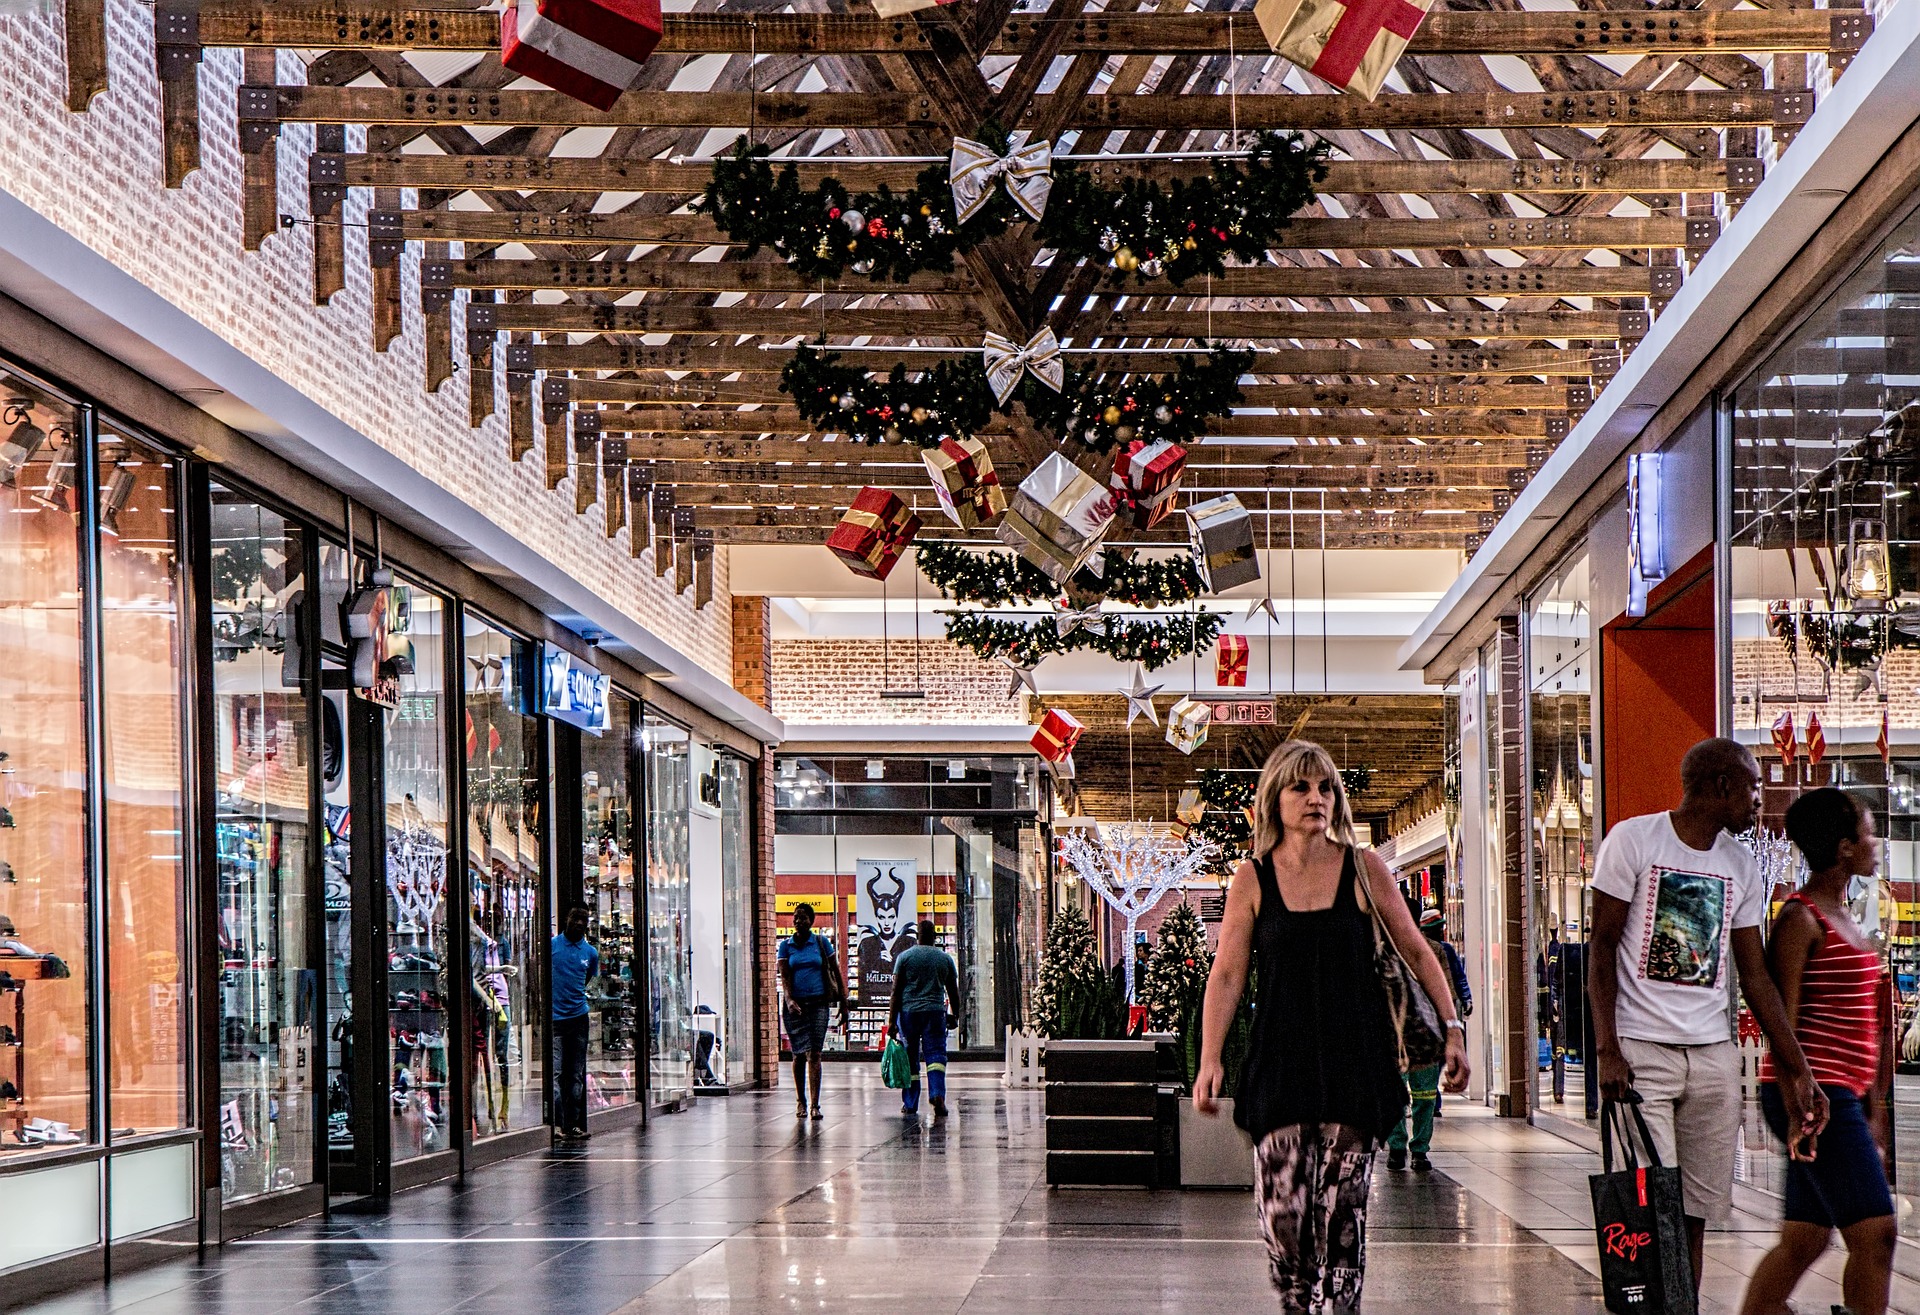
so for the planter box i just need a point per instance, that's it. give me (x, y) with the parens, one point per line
(1105, 1124)
(1214, 1152)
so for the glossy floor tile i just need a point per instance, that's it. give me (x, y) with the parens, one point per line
(736, 1208)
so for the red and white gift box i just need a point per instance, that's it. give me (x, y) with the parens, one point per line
(590, 49)
(1230, 662)
(1058, 733)
(1146, 477)
(1353, 44)
(874, 532)
(964, 481)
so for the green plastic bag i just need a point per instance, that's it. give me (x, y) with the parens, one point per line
(894, 1069)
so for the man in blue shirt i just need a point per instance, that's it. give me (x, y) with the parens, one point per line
(925, 981)
(573, 963)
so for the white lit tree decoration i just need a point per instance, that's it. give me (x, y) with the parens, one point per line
(1132, 868)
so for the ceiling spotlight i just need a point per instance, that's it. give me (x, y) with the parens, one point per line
(956, 769)
(876, 769)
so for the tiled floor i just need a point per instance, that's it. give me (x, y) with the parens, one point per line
(736, 1208)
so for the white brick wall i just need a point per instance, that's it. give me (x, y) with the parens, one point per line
(98, 175)
(837, 682)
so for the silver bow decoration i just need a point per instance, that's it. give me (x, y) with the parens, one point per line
(974, 167)
(1068, 620)
(1007, 359)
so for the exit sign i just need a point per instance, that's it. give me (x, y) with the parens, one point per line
(1244, 712)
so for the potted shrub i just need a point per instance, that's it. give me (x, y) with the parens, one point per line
(1214, 1152)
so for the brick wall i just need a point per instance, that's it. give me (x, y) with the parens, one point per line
(753, 647)
(98, 176)
(838, 682)
(1849, 714)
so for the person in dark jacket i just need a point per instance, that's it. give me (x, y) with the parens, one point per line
(1321, 1087)
(1423, 1084)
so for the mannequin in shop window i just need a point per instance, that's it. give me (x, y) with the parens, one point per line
(492, 1022)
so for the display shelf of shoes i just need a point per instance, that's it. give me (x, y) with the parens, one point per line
(15, 1113)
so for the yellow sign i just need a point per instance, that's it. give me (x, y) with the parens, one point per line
(939, 904)
(788, 903)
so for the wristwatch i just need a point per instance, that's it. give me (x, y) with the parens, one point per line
(1455, 1025)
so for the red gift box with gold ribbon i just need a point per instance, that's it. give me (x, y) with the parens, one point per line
(1058, 733)
(874, 532)
(964, 480)
(1230, 662)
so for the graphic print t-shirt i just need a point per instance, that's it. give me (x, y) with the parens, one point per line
(1684, 905)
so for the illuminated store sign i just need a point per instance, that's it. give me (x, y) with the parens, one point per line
(574, 693)
(1646, 550)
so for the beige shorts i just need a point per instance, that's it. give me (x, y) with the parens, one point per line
(1690, 1096)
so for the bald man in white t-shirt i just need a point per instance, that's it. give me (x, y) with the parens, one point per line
(1676, 899)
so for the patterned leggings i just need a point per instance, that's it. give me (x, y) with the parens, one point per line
(1311, 1182)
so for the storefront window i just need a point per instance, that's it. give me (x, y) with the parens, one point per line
(1560, 670)
(261, 767)
(144, 780)
(872, 845)
(607, 875)
(416, 891)
(733, 1060)
(669, 780)
(504, 793)
(1825, 549)
(44, 948)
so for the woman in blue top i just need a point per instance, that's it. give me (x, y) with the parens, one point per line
(813, 985)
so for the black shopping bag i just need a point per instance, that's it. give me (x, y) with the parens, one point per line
(1640, 1224)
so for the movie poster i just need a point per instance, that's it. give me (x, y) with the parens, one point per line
(885, 903)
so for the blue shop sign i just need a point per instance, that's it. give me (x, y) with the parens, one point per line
(574, 693)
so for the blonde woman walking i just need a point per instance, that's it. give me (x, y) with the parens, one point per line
(1322, 1086)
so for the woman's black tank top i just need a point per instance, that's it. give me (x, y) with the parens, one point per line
(1322, 1049)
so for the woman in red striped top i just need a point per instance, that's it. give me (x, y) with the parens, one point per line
(1830, 979)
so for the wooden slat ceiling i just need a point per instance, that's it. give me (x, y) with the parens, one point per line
(1497, 230)
(1400, 737)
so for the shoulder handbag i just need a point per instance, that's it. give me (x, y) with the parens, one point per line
(1421, 1039)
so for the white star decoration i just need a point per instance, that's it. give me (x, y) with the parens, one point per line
(1260, 605)
(1022, 676)
(1140, 697)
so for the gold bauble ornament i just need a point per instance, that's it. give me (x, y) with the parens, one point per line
(919, 414)
(1111, 415)
(1125, 259)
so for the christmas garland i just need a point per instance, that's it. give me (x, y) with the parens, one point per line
(952, 400)
(1356, 780)
(1227, 795)
(1138, 228)
(995, 579)
(1152, 642)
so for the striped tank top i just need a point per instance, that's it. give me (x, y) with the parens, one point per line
(1839, 1018)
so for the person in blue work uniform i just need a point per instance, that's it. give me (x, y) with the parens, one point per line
(925, 982)
(573, 962)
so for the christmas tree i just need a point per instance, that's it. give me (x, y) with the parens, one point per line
(1176, 982)
(1076, 998)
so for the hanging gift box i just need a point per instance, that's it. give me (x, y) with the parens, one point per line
(590, 49)
(1353, 44)
(1057, 734)
(964, 481)
(1057, 517)
(1191, 807)
(1783, 738)
(1222, 536)
(1187, 724)
(1146, 480)
(1816, 739)
(874, 532)
(1230, 662)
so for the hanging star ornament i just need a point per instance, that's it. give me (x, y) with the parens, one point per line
(1259, 605)
(1022, 676)
(1140, 697)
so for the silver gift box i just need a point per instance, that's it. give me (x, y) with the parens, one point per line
(1057, 517)
(1221, 531)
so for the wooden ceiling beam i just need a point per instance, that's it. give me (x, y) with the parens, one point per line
(822, 504)
(369, 25)
(1376, 532)
(587, 174)
(967, 322)
(1266, 465)
(1701, 111)
(1227, 479)
(786, 420)
(648, 275)
(1328, 397)
(1577, 363)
